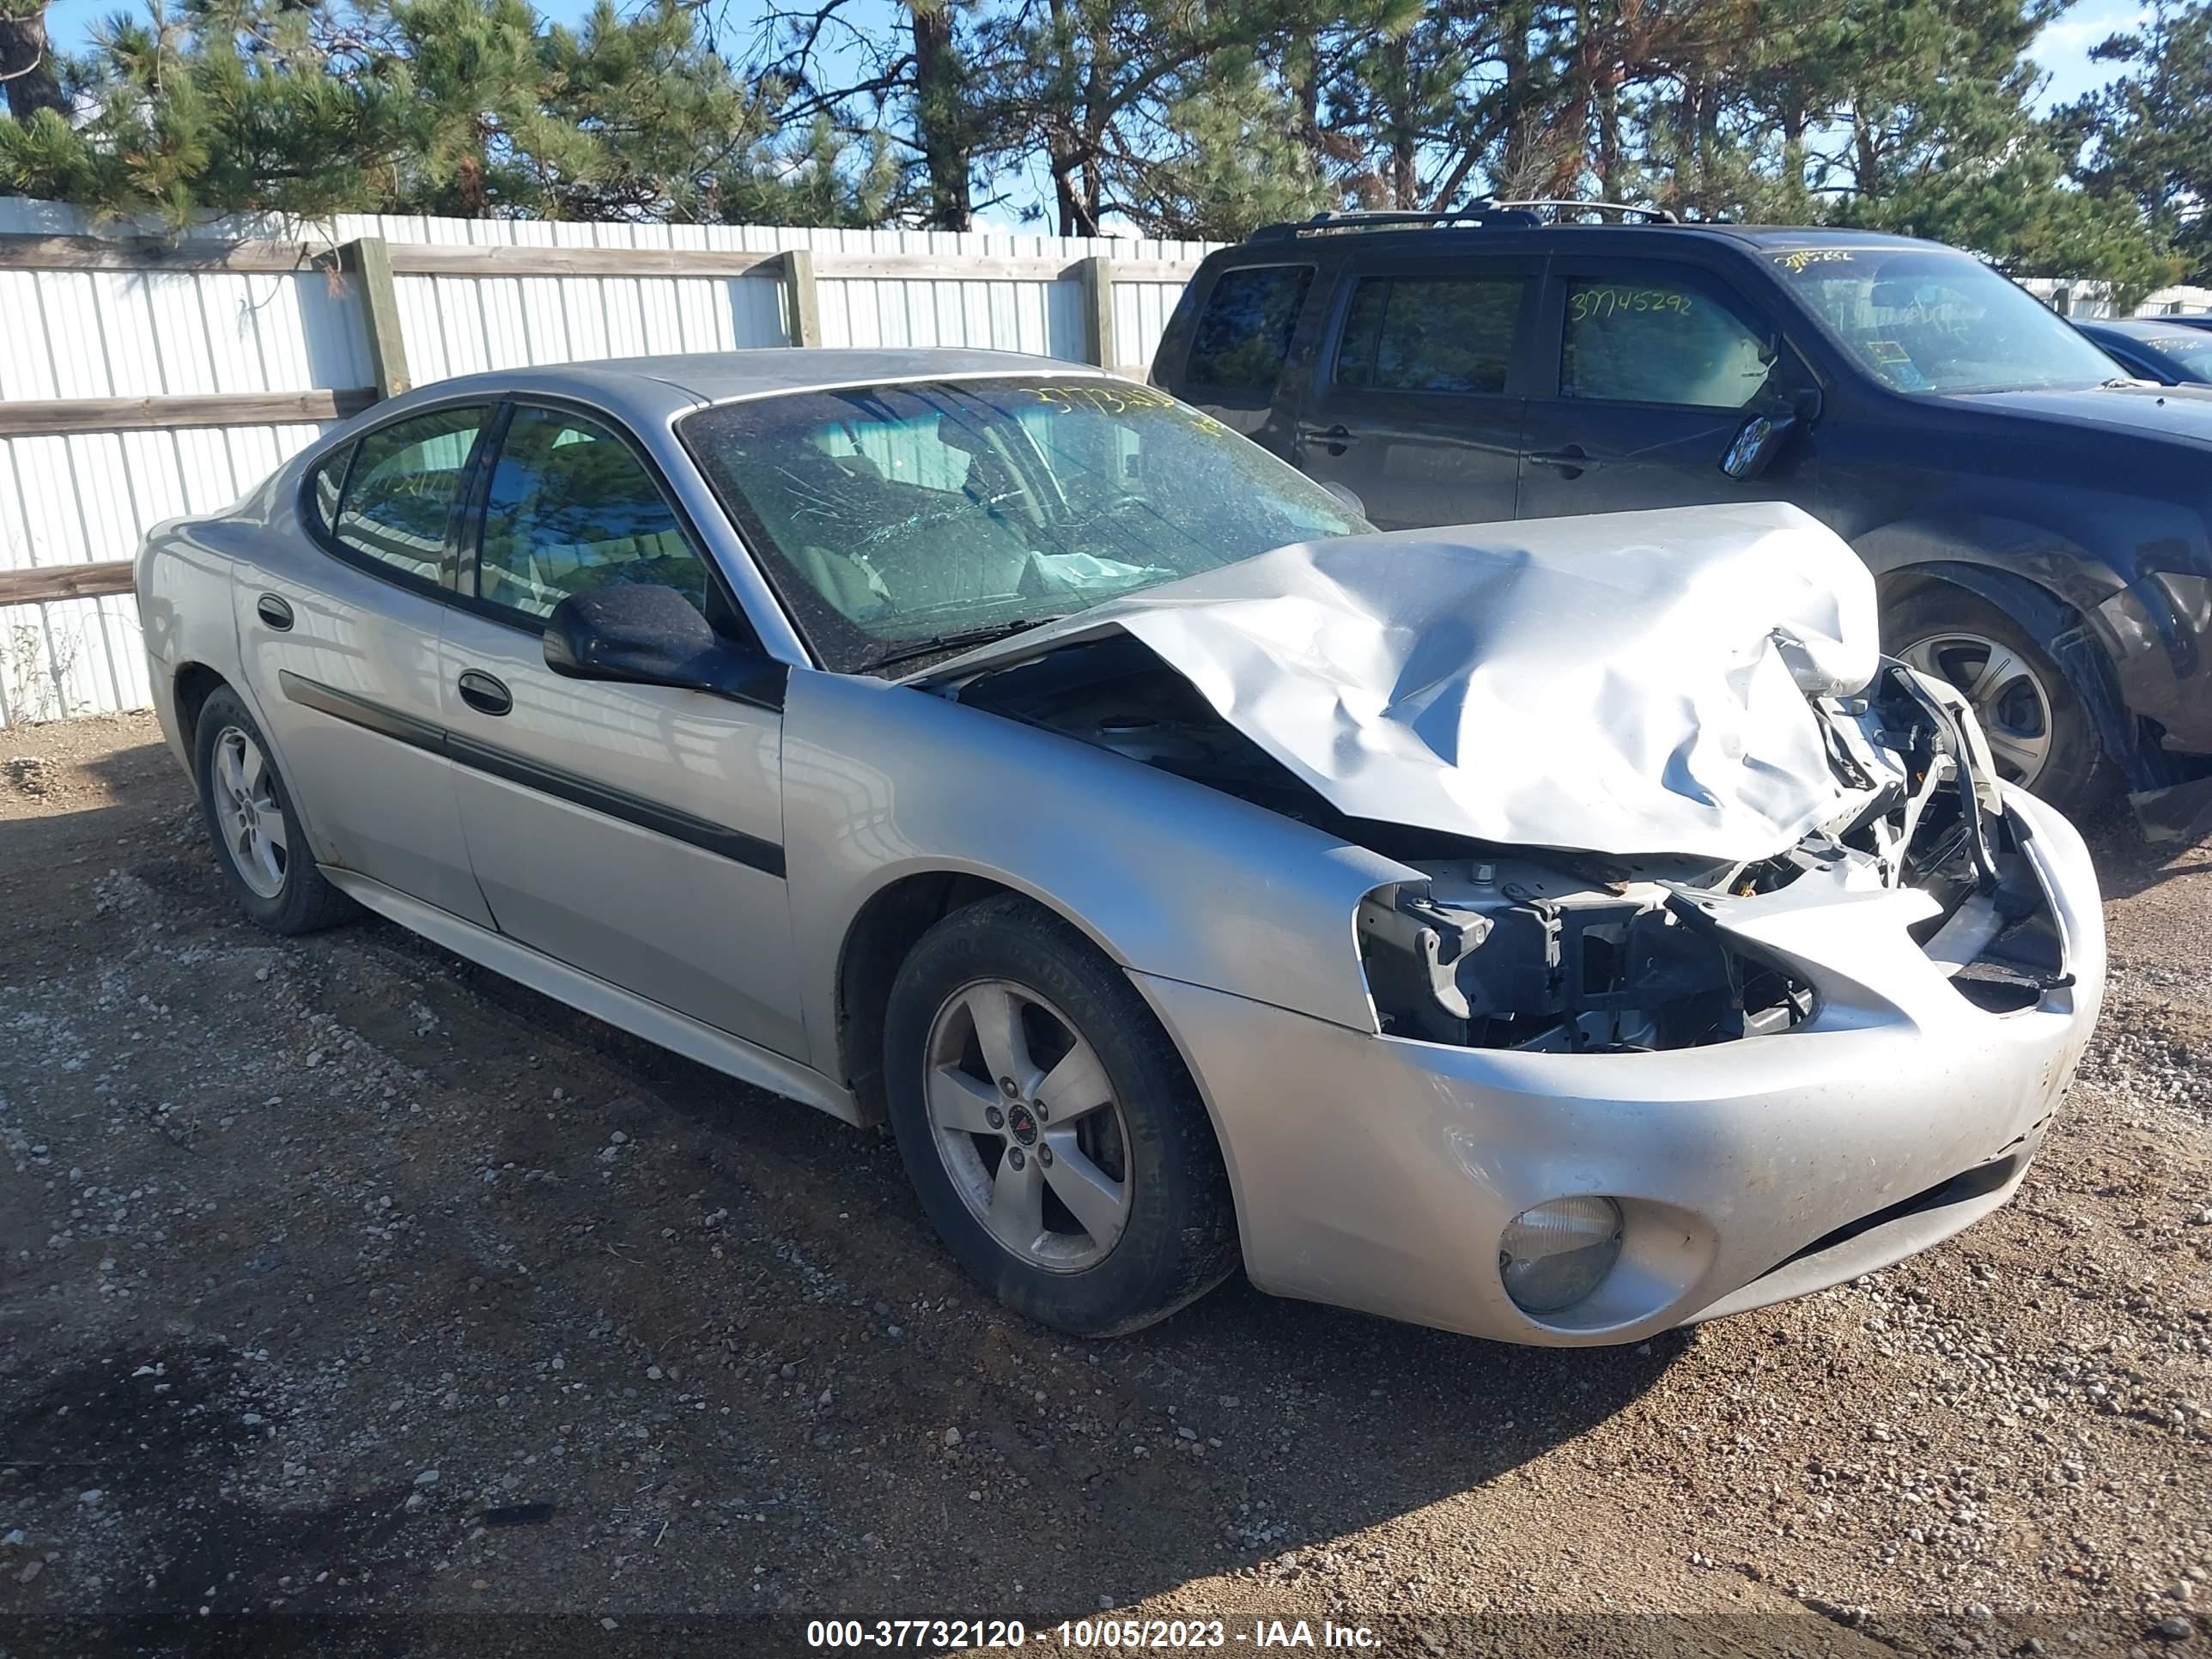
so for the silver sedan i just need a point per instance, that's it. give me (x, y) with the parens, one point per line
(1556, 932)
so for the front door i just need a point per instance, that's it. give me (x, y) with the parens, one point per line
(1417, 397)
(339, 638)
(632, 831)
(1657, 366)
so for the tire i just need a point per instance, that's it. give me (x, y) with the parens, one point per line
(271, 871)
(2038, 730)
(1008, 967)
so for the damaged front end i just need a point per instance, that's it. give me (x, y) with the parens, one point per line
(1568, 953)
(1551, 950)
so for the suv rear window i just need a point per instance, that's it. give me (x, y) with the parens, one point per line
(1429, 334)
(1244, 332)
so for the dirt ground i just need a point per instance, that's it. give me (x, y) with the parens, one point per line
(355, 1300)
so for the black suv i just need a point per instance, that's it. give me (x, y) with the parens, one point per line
(2038, 523)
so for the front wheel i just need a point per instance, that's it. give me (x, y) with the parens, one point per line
(1049, 1126)
(2040, 732)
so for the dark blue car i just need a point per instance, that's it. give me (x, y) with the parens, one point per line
(2151, 349)
(2038, 522)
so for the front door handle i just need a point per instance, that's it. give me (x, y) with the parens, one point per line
(1336, 439)
(484, 693)
(274, 611)
(1573, 461)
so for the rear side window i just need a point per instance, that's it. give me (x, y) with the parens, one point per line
(400, 497)
(570, 509)
(1666, 341)
(1244, 332)
(1429, 334)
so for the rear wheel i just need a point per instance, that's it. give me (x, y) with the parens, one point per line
(1049, 1126)
(2039, 734)
(258, 842)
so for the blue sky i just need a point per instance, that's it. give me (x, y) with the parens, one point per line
(2062, 50)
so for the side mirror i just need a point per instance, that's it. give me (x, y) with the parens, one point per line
(1756, 443)
(1348, 497)
(646, 635)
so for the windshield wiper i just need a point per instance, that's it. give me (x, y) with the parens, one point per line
(944, 644)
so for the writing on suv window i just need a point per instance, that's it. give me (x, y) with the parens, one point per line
(1928, 320)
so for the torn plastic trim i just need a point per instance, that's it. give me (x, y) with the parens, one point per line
(1510, 955)
(1517, 952)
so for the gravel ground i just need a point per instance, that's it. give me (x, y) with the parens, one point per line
(353, 1299)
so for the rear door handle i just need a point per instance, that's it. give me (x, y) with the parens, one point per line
(1336, 438)
(1573, 461)
(274, 611)
(484, 693)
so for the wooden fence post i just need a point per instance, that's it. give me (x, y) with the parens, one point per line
(802, 305)
(369, 257)
(1098, 309)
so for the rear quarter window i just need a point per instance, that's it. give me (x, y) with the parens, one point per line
(1243, 333)
(324, 485)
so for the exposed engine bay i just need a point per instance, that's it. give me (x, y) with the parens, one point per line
(1561, 951)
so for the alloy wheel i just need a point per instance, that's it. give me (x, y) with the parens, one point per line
(2006, 691)
(244, 786)
(1023, 1116)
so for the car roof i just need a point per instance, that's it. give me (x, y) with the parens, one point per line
(649, 388)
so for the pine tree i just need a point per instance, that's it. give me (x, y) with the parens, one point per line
(2148, 136)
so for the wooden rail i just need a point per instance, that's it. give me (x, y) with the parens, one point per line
(65, 415)
(65, 581)
(19, 253)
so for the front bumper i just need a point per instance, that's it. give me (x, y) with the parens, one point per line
(1377, 1173)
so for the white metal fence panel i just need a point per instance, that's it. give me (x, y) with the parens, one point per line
(174, 333)
(89, 496)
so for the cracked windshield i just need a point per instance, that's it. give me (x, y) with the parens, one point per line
(902, 522)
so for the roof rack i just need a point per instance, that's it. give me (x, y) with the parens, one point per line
(1478, 214)
(1484, 214)
(1560, 208)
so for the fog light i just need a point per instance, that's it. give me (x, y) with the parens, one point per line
(1552, 1256)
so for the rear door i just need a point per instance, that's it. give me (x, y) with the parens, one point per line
(1419, 391)
(1651, 368)
(632, 831)
(341, 651)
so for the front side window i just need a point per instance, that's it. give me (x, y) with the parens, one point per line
(898, 521)
(1429, 334)
(1935, 320)
(1665, 340)
(1243, 334)
(571, 507)
(399, 497)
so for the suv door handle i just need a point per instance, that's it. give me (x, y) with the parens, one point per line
(274, 611)
(1337, 439)
(483, 693)
(1573, 461)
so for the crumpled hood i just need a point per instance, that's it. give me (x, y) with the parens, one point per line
(1626, 683)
